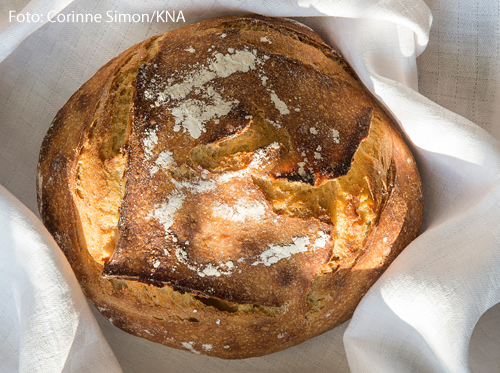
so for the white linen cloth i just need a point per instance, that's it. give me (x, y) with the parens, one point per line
(419, 317)
(46, 326)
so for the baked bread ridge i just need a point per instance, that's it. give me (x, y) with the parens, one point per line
(91, 142)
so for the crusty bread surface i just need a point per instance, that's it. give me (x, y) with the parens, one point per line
(228, 188)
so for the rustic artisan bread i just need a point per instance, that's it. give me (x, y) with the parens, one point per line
(228, 188)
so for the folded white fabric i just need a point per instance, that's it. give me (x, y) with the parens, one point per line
(417, 318)
(46, 324)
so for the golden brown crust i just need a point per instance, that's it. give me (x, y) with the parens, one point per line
(227, 181)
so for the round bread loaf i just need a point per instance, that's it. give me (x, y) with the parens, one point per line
(228, 188)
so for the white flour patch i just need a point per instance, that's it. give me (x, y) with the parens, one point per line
(182, 257)
(189, 346)
(336, 136)
(163, 162)
(241, 211)
(321, 241)
(148, 94)
(275, 253)
(196, 185)
(150, 142)
(280, 105)
(301, 165)
(209, 269)
(193, 114)
(212, 270)
(165, 213)
(190, 82)
(227, 64)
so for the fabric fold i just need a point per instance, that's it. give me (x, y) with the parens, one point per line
(47, 325)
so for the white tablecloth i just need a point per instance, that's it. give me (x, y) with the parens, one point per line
(441, 83)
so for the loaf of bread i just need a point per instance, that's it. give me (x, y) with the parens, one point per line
(228, 188)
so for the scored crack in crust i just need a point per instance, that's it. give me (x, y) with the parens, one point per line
(228, 188)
